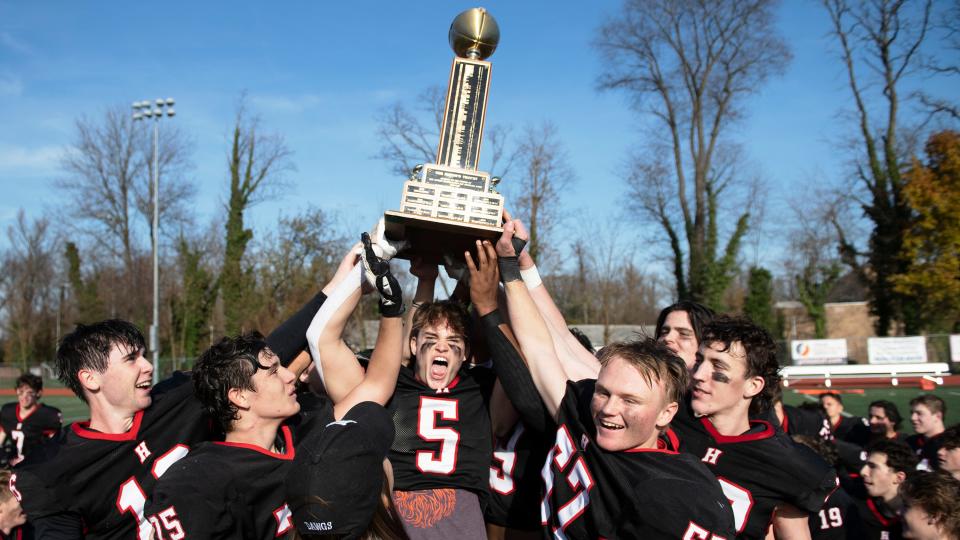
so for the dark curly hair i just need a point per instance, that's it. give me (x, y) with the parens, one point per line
(35, 382)
(950, 438)
(936, 493)
(88, 347)
(824, 449)
(761, 354)
(900, 457)
(229, 363)
(699, 314)
(890, 409)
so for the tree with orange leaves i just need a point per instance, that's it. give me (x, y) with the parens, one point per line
(932, 241)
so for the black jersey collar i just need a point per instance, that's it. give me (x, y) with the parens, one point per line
(288, 450)
(765, 432)
(82, 429)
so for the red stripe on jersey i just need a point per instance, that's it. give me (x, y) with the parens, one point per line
(83, 430)
(766, 433)
(876, 513)
(674, 441)
(22, 418)
(288, 453)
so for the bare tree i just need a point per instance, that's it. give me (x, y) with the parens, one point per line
(880, 45)
(949, 26)
(543, 177)
(108, 182)
(410, 135)
(690, 64)
(27, 290)
(257, 162)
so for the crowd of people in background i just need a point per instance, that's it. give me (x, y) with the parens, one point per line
(478, 416)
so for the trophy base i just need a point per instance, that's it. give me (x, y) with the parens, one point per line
(431, 238)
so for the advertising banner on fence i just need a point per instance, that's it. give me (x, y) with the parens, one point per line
(805, 352)
(897, 350)
(955, 348)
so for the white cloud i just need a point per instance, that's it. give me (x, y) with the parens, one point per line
(22, 159)
(287, 104)
(10, 85)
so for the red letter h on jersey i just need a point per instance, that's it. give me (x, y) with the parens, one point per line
(711, 456)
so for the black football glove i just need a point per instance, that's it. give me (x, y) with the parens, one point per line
(391, 297)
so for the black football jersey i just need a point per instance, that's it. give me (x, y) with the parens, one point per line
(231, 490)
(97, 482)
(443, 437)
(852, 429)
(878, 523)
(758, 470)
(515, 479)
(648, 493)
(798, 421)
(838, 519)
(30, 431)
(926, 449)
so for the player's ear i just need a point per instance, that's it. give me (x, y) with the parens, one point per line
(238, 397)
(89, 379)
(666, 414)
(900, 476)
(753, 387)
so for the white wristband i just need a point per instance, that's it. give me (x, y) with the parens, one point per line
(531, 277)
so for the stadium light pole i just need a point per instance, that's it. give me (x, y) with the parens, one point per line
(144, 110)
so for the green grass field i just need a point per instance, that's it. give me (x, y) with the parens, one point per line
(857, 404)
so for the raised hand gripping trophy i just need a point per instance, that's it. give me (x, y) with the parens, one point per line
(446, 206)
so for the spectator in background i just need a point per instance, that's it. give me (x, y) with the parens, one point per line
(27, 423)
(889, 463)
(948, 456)
(927, 413)
(930, 508)
(884, 419)
(852, 429)
(680, 328)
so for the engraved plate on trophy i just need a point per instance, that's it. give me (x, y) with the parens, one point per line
(447, 205)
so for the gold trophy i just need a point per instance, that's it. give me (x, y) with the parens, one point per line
(447, 205)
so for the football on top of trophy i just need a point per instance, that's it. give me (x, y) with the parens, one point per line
(474, 34)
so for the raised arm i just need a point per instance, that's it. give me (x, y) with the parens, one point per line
(577, 360)
(513, 376)
(426, 275)
(381, 377)
(336, 363)
(528, 325)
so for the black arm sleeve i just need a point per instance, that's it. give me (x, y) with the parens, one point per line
(64, 526)
(288, 339)
(514, 376)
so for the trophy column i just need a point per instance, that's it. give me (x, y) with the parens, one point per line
(445, 206)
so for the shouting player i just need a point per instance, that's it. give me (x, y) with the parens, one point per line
(764, 474)
(608, 474)
(889, 463)
(27, 423)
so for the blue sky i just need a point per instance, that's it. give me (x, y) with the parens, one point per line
(318, 72)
